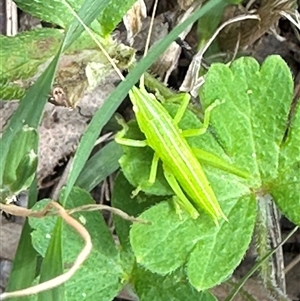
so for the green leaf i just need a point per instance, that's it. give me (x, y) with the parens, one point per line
(23, 272)
(19, 166)
(286, 189)
(25, 172)
(88, 13)
(36, 97)
(113, 14)
(173, 287)
(184, 239)
(110, 17)
(249, 128)
(257, 104)
(122, 199)
(26, 51)
(213, 259)
(24, 264)
(44, 10)
(101, 274)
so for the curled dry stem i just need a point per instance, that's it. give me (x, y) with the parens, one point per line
(48, 210)
(80, 229)
(93, 207)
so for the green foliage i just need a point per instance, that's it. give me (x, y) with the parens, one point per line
(102, 272)
(21, 161)
(171, 257)
(29, 52)
(106, 21)
(248, 131)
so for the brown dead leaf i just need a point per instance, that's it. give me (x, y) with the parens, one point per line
(133, 20)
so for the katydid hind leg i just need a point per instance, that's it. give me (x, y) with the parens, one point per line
(203, 129)
(181, 197)
(215, 161)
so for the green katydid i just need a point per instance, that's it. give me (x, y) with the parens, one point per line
(181, 167)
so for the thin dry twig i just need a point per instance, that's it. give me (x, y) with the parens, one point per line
(93, 207)
(80, 229)
(20, 211)
(190, 83)
(24, 212)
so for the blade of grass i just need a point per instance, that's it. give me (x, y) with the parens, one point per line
(52, 265)
(29, 110)
(24, 266)
(103, 115)
(100, 166)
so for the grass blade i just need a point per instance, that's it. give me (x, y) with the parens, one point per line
(101, 165)
(24, 266)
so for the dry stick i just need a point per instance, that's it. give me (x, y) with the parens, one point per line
(149, 37)
(24, 212)
(11, 18)
(290, 18)
(20, 211)
(66, 276)
(62, 181)
(104, 138)
(190, 81)
(93, 207)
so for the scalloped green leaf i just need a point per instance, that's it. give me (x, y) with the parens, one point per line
(257, 105)
(286, 189)
(248, 130)
(52, 11)
(26, 51)
(172, 242)
(215, 257)
(252, 122)
(102, 273)
(107, 21)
